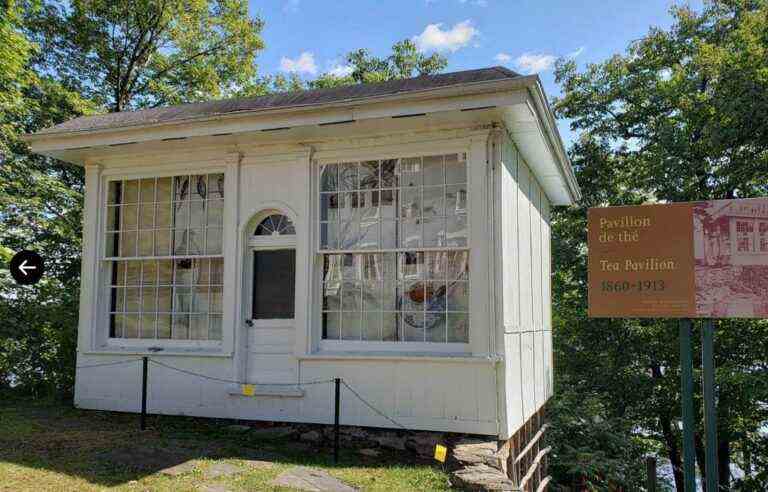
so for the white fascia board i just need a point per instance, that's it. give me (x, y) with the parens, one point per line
(534, 132)
(467, 96)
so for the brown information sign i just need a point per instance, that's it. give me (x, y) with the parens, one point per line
(680, 260)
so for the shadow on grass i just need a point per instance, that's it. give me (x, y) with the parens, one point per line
(108, 449)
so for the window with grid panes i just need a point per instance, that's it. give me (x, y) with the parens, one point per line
(164, 247)
(393, 244)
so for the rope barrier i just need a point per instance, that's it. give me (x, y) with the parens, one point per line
(230, 381)
(369, 405)
(108, 364)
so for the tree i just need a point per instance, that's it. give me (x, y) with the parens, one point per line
(405, 61)
(146, 53)
(681, 116)
(61, 61)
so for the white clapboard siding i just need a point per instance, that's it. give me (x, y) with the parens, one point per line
(526, 288)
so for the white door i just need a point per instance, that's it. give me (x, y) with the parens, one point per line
(272, 302)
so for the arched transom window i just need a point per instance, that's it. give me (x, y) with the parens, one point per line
(275, 225)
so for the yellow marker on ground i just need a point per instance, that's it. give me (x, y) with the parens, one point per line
(248, 390)
(440, 453)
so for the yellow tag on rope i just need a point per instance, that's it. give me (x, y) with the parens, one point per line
(248, 390)
(440, 453)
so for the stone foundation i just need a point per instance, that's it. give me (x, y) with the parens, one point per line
(475, 462)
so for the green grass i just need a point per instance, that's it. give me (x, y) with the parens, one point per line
(49, 446)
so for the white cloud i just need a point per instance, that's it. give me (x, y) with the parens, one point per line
(535, 62)
(574, 54)
(305, 63)
(434, 37)
(503, 58)
(291, 6)
(339, 70)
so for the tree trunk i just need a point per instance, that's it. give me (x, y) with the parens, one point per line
(724, 464)
(673, 453)
(700, 458)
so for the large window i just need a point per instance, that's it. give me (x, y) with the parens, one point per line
(751, 236)
(393, 243)
(164, 246)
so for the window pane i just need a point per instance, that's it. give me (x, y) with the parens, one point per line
(217, 271)
(348, 179)
(163, 215)
(329, 177)
(214, 241)
(198, 328)
(146, 244)
(435, 327)
(131, 191)
(216, 186)
(162, 242)
(197, 214)
(215, 213)
(458, 296)
(147, 326)
(369, 175)
(456, 231)
(274, 275)
(389, 325)
(147, 190)
(351, 326)
(372, 326)
(129, 217)
(196, 243)
(455, 168)
(389, 173)
(456, 199)
(214, 327)
(164, 326)
(164, 189)
(413, 326)
(181, 188)
(458, 328)
(131, 326)
(433, 170)
(410, 172)
(433, 201)
(331, 326)
(180, 329)
(199, 187)
(114, 193)
(434, 232)
(329, 207)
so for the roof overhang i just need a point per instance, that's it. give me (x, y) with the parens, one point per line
(519, 103)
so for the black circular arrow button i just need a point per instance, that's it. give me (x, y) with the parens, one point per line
(27, 267)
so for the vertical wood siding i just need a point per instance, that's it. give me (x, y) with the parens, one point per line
(526, 288)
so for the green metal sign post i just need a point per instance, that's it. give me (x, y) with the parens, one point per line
(686, 384)
(710, 412)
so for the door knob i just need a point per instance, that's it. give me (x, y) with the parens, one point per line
(249, 322)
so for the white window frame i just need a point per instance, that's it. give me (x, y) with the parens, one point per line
(102, 341)
(475, 149)
(267, 243)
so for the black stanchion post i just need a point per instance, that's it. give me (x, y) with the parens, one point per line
(337, 412)
(145, 368)
(650, 470)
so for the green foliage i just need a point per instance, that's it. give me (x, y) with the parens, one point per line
(592, 450)
(680, 117)
(145, 53)
(404, 62)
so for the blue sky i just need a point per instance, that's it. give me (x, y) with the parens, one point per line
(310, 37)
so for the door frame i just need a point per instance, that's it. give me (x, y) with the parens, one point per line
(264, 243)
